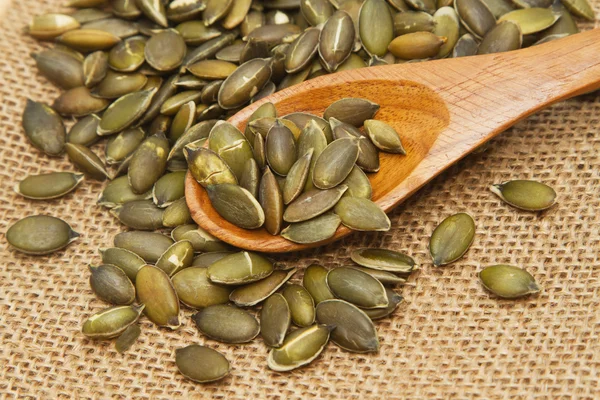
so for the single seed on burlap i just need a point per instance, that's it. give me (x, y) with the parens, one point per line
(227, 324)
(40, 235)
(44, 128)
(155, 290)
(201, 364)
(111, 322)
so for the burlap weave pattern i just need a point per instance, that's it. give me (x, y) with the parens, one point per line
(450, 339)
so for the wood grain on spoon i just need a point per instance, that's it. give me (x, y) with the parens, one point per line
(442, 109)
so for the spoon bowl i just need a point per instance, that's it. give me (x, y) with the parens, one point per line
(441, 109)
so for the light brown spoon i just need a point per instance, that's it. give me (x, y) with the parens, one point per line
(442, 109)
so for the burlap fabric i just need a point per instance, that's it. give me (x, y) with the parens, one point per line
(450, 339)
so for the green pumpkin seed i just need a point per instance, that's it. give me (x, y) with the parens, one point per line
(177, 214)
(384, 260)
(258, 151)
(212, 69)
(315, 282)
(206, 259)
(87, 161)
(89, 14)
(251, 177)
(506, 36)
(451, 239)
(357, 287)
(302, 306)
(274, 34)
(466, 46)
(119, 147)
(210, 92)
(155, 290)
(40, 235)
(227, 324)
(447, 24)
(240, 268)
(271, 201)
(148, 163)
(84, 131)
(368, 156)
(300, 348)
(313, 203)
(176, 258)
(115, 26)
(196, 132)
(139, 214)
(166, 91)
(353, 62)
(379, 313)
(253, 293)
(531, 20)
(111, 322)
(127, 261)
(508, 282)
(499, 7)
(297, 176)
(48, 186)
(201, 364)
(126, 9)
(236, 13)
(526, 195)
(115, 85)
(209, 49)
(302, 50)
(316, 12)
(580, 8)
(119, 192)
(79, 102)
(413, 21)
(354, 331)
(88, 40)
(311, 139)
(49, 26)
(154, 10)
(208, 168)
(334, 164)
(127, 338)
(294, 79)
(475, 16)
(216, 10)
(353, 111)
(362, 214)
(301, 120)
(386, 278)
(236, 205)
(231, 146)
(44, 128)
(416, 46)
(565, 24)
(169, 188)
(243, 83)
(263, 125)
(125, 111)
(182, 121)
(195, 290)
(314, 230)
(148, 245)
(252, 21)
(358, 184)
(59, 68)
(111, 284)
(160, 59)
(212, 112)
(334, 47)
(184, 10)
(427, 6)
(384, 136)
(275, 319)
(265, 110)
(195, 33)
(174, 103)
(376, 13)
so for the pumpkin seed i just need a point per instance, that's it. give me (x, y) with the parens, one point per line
(111, 322)
(447, 25)
(177, 214)
(208, 168)
(196, 132)
(84, 15)
(386, 278)
(125, 111)
(236, 205)
(216, 10)
(358, 184)
(508, 282)
(236, 14)
(302, 306)
(251, 178)
(115, 85)
(379, 313)
(565, 24)
(212, 69)
(206, 259)
(301, 120)
(148, 245)
(174, 103)
(184, 10)
(162, 60)
(505, 36)
(40, 235)
(155, 290)
(313, 203)
(312, 139)
(243, 83)
(139, 214)
(115, 26)
(357, 287)
(154, 10)
(526, 195)
(384, 136)
(121, 146)
(315, 282)
(182, 121)
(580, 8)
(253, 20)
(169, 188)
(531, 20)
(417, 45)
(499, 7)
(49, 26)
(126, 9)
(427, 6)
(451, 239)
(195, 33)
(127, 261)
(226, 323)
(84, 131)
(87, 161)
(274, 34)
(253, 293)
(87, 40)
(209, 49)
(111, 284)
(313, 230)
(275, 319)
(376, 13)
(127, 338)
(334, 47)
(271, 201)
(231, 146)
(466, 46)
(44, 128)
(210, 92)
(79, 102)
(413, 21)
(280, 148)
(258, 151)
(166, 91)
(399, 5)
(353, 111)
(475, 16)
(119, 192)
(384, 260)
(240, 268)
(362, 214)
(302, 50)
(297, 176)
(148, 163)
(201, 364)
(334, 164)
(354, 331)
(176, 258)
(300, 348)
(195, 290)
(59, 68)
(316, 12)
(48, 186)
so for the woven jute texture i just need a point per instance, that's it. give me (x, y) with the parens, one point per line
(450, 339)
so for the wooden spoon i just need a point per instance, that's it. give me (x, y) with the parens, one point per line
(442, 110)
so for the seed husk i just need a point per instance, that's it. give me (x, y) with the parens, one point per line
(88, 40)
(357, 287)
(505, 36)
(87, 161)
(206, 259)
(176, 258)
(362, 214)
(231, 146)
(313, 203)
(353, 111)
(195, 290)
(49, 26)
(44, 128)
(302, 50)
(475, 16)
(121, 146)
(59, 68)
(116, 84)
(119, 192)
(139, 214)
(580, 8)
(40, 235)
(376, 26)
(126, 260)
(384, 136)
(155, 290)
(154, 10)
(48, 186)
(169, 188)
(148, 245)
(271, 200)
(125, 111)
(302, 305)
(177, 214)
(334, 47)
(84, 131)
(508, 282)
(447, 24)
(201, 364)
(384, 260)
(413, 21)
(300, 348)
(240, 268)
(251, 177)
(253, 293)
(236, 205)
(296, 180)
(148, 163)
(127, 338)
(111, 284)
(354, 331)
(275, 319)
(315, 282)
(243, 83)
(358, 184)
(466, 46)
(379, 313)
(226, 323)
(531, 20)
(525, 194)
(334, 164)
(196, 132)
(451, 239)
(79, 102)
(111, 322)
(417, 45)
